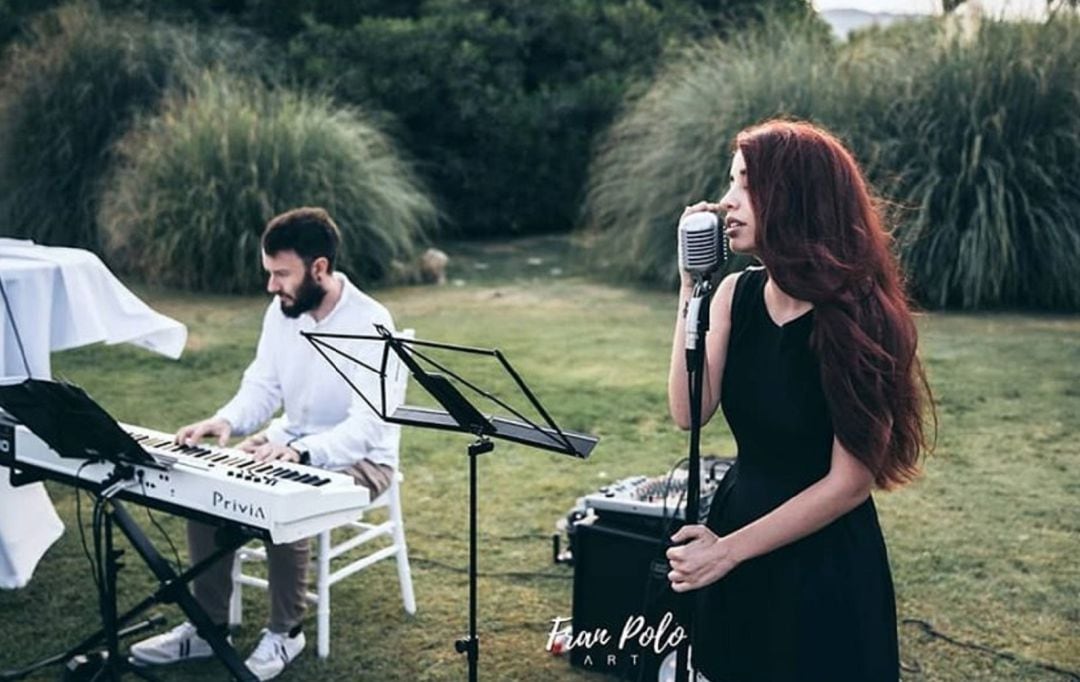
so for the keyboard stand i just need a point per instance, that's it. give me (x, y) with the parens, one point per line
(172, 589)
(55, 413)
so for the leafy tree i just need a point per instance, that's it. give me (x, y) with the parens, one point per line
(501, 100)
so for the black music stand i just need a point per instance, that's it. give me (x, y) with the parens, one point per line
(459, 415)
(72, 424)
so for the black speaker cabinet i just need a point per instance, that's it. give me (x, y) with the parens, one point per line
(621, 591)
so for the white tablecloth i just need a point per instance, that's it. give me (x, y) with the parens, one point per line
(60, 298)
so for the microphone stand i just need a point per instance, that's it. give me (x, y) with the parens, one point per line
(697, 324)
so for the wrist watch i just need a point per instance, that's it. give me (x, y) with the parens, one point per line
(304, 455)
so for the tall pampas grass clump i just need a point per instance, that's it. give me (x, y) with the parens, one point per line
(987, 162)
(971, 137)
(672, 145)
(198, 183)
(68, 92)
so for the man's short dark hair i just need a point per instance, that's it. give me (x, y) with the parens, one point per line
(310, 232)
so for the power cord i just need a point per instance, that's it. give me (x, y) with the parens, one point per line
(179, 568)
(82, 529)
(662, 540)
(934, 633)
(98, 532)
(523, 537)
(510, 575)
(15, 328)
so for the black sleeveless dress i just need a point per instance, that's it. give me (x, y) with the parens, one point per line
(820, 609)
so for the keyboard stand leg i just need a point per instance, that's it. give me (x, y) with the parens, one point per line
(174, 589)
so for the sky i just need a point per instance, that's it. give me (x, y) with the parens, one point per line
(1011, 8)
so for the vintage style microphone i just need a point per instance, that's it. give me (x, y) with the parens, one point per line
(702, 250)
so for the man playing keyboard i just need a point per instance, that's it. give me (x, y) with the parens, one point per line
(323, 424)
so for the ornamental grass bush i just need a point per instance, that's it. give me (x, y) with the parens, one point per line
(197, 184)
(988, 164)
(672, 146)
(971, 137)
(68, 91)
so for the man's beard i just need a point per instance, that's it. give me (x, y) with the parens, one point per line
(307, 297)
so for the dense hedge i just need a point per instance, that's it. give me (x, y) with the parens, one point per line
(501, 99)
(197, 184)
(973, 136)
(16, 14)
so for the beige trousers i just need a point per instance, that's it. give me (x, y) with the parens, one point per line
(287, 563)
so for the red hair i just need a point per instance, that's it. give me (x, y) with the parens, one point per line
(822, 240)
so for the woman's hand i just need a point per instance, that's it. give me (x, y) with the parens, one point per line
(704, 559)
(699, 207)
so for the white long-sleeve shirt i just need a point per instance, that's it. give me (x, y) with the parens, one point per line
(322, 414)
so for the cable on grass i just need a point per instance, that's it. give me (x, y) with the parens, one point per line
(483, 536)
(510, 575)
(934, 633)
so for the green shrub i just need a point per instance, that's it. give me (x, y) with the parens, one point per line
(199, 182)
(68, 93)
(975, 140)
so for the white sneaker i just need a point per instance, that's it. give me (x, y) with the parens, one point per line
(274, 652)
(182, 643)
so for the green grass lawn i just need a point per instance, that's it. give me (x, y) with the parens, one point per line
(984, 546)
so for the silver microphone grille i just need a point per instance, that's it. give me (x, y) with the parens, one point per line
(699, 237)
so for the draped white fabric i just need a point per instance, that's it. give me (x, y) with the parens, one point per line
(59, 298)
(64, 298)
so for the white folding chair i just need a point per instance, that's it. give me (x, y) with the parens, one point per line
(359, 533)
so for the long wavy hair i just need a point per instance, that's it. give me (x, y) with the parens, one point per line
(821, 236)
